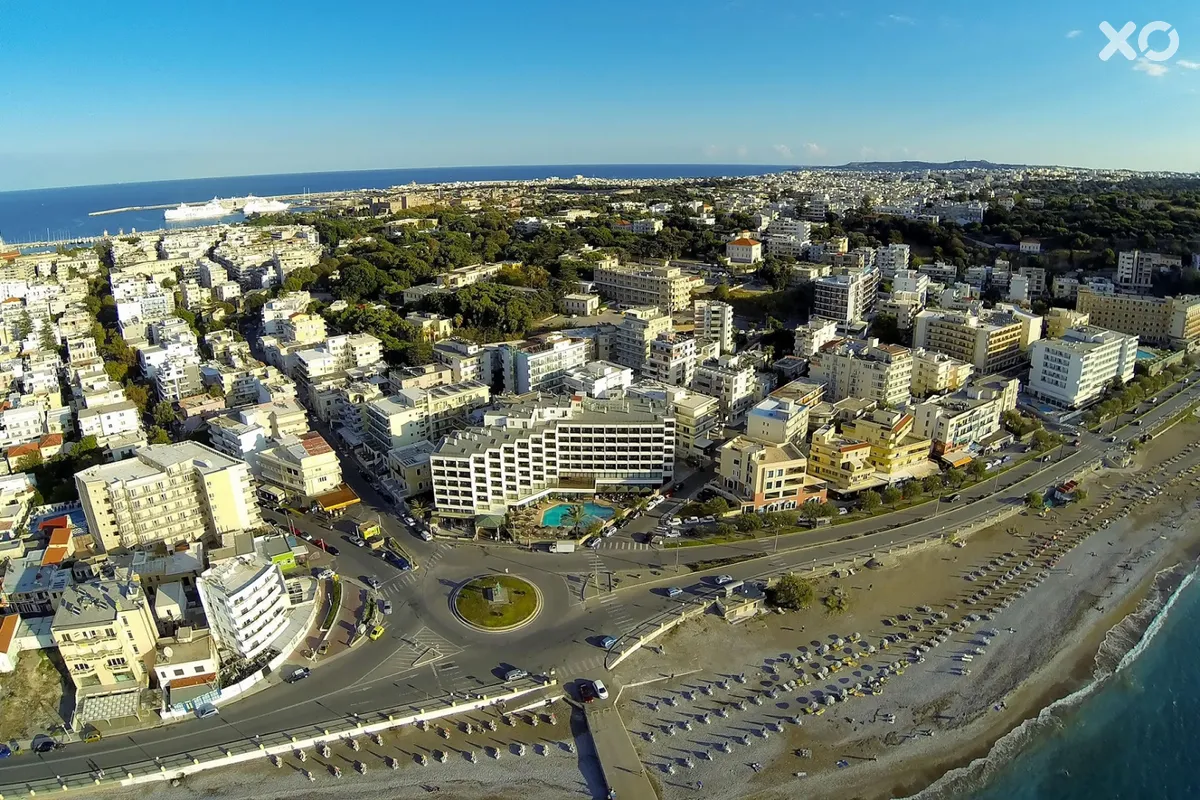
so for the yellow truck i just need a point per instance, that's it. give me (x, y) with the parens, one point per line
(371, 533)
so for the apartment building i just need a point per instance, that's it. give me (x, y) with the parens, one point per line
(598, 379)
(279, 309)
(864, 368)
(843, 297)
(581, 305)
(892, 258)
(904, 306)
(1060, 320)
(910, 280)
(970, 415)
(303, 329)
(640, 285)
(1073, 371)
(733, 381)
(637, 329)
(991, 340)
(246, 602)
(763, 476)
(1135, 268)
(813, 335)
(527, 450)
(304, 466)
(1158, 321)
(697, 416)
(105, 636)
(714, 321)
(895, 448)
(672, 359)
(105, 422)
(541, 363)
(642, 227)
(467, 361)
(778, 420)
(844, 464)
(247, 430)
(937, 373)
(1036, 280)
(413, 415)
(167, 493)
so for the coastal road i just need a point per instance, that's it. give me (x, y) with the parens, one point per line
(427, 654)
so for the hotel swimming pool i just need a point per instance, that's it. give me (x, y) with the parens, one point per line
(556, 516)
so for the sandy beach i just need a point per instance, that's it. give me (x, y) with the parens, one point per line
(723, 705)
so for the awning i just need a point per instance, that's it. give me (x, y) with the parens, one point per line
(489, 521)
(339, 499)
(959, 458)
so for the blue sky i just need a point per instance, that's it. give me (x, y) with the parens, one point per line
(96, 92)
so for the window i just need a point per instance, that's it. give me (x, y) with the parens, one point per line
(178, 673)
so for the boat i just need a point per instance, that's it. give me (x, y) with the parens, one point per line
(257, 205)
(214, 209)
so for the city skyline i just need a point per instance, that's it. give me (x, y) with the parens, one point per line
(282, 89)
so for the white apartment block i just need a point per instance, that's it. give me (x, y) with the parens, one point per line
(967, 416)
(246, 601)
(1063, 287)
(865, 369)
(467, 361)
(714, 321)
(991, 340)
(637, 329)
(244, 431)
(528, 450)
(1135, 269)
(937, 373)
(642, 227)
(744, 250)
(304, 466)
(672, 359)
(732, 381)
(778, 420)
(541, 364)
(848, 296)
(598, 379)
(639, 285)
(790, 226)
(892, 258)
(1074, 371)
(813, 335)
(167, 493)
(275, 311)
(412, 415)
(111, 420)
(909, 280)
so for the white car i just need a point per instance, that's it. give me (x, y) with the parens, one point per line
(325, 574)
(673, 533)
(426, 536)
(692, 520)
(600, 689)
(724, 579)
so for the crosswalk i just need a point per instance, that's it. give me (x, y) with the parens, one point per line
(623, 544)
(617, 612)
(581, 667)
(395, 586)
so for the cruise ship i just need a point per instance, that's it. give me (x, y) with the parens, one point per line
(256, 205)
(210, 210)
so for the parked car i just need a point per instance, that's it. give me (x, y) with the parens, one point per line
(587, 692)
(691, 520)
(425, 535)
(90, 735)
(410, 522)
(372, 581)
(44, 744)
(324, 574)
(357, 542)
(594, 543)
(673, 533)
(724, 579)
(298, 674)
(600, 689)
(607, 642)
(207, 710)
(952, 497)
(376, 632)
(385, 607)
(399, 562)
(674, 591)
(842, 511)
(515, 674)
(5, 751)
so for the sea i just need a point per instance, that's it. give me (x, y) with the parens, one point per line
(62, 214)
(1129, 734)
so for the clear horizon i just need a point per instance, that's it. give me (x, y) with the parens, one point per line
(1021, 84)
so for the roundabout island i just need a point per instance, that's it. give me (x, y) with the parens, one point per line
(496, 603)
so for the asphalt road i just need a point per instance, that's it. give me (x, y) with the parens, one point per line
(427, 654)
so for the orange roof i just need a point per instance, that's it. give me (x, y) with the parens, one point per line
(194, 680)
(314, 444)
(23, 450)
(51, 440)
(744, 242)
(54, 555)
(56, 522)
(339, 498)
(8, 629)
(13, 300)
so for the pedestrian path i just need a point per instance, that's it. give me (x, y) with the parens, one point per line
(624, 773)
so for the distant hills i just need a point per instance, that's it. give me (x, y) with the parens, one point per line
(907, 166)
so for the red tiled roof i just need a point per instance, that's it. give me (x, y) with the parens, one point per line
(56, 522)
(51, 440)
(314, 444)
(23, 450)
(194, 680)
(744, 242)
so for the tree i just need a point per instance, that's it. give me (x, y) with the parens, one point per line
(886, 328)
(955, 476)
(891, 496)
(1080, 494)
(24, 324)
(215, 390)
(575, 516)
(138, 396)
(158, 436)
(116, 370)
(978, 469)
(28, 463)
(417, 509)
(792, 593)
(164, 414)
(1035, 500)
(46, 338)
(870, 501)
(911, 490)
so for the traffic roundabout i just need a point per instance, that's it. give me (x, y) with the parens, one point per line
(496, 603)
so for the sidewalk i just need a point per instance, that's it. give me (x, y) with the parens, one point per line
(623, 770)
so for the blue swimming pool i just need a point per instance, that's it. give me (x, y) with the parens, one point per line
(1146, 355)
(557, 516)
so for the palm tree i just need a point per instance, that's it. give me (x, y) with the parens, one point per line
(575, 516)
(417, 509)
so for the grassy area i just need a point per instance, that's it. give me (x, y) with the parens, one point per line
(474, 607)
(335, 604)
(30, 696)
(701, 566)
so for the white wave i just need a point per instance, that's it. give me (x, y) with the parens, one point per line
(961, 781)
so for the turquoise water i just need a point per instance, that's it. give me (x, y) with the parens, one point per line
(556, 517)
(1146, 355)
(1134, 737)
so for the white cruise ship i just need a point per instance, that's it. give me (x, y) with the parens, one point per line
(256, 205)
(210, 210)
